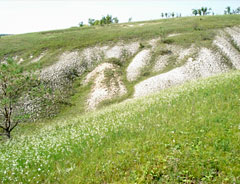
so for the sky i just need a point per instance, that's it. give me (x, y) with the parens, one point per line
(23, 16)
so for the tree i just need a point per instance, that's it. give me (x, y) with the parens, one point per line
(115, 20)
(238, 10)
(130, 19)
(195, 12)
(91, 21)
(166, 15)
(204, 10)
(162, 14)
(173, 14)
(81, 24)
(108, 19)
(209, 11)
(14, 84)
(103, 21)
(97, 22)
(228, 10)
(200, 12)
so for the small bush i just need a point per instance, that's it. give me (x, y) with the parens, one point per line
(147, 73)
(168, 41)
(206, 38)
(115, 61)
(196, 27)
(72, 74)
(141, 46)
(165, 52)
(81, 24)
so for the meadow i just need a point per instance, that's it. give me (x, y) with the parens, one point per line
(187, 134)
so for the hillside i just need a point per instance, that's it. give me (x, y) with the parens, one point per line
(129, 60)
(144, 102)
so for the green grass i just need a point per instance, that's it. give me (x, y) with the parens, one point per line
(187, 134)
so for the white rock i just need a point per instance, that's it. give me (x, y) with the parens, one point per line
(206, 64)
(37, 59)
(161, 63)
(235, 35)
(138, 63)
(225, 46)
(102, 91)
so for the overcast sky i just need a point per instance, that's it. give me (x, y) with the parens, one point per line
(22, 16)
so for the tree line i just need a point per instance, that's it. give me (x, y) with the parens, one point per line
(228, 11)
(206, 11)
(202, 11)
(105, 20)
(109, 19)
(172, 14)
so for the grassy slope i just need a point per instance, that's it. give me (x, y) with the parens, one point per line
(184, 134)
(199, 30)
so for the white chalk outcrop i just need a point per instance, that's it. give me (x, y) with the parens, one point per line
(234, 34)
(174, 34)
(161, 62)
(67, 63)
(224, 44)
(37, 59)
(154, 42)
(101, 89)
(87, 59)
(139, 62)
(121, 49)
(206, 64)
(193, 62)
(174, 51)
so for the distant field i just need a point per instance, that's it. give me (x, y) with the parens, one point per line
(4, 35)
(188, 134)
